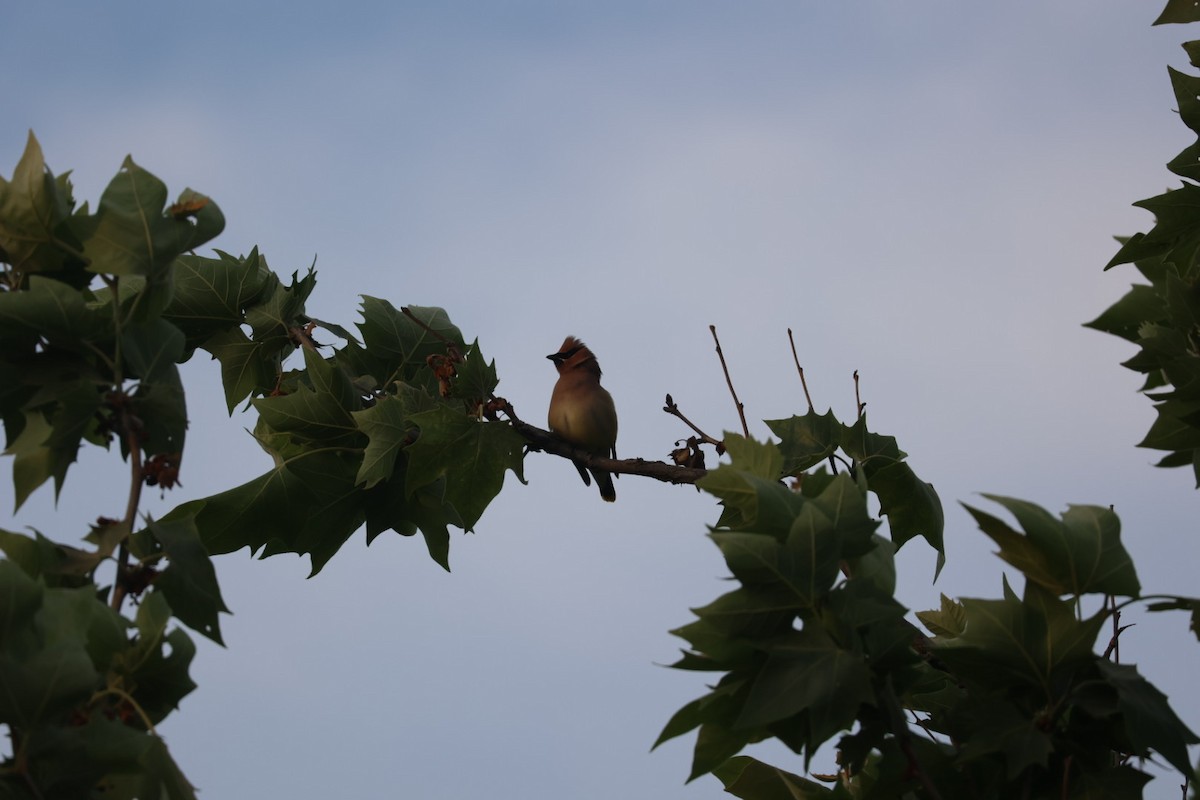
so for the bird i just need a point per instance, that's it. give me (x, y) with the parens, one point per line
(582, 412)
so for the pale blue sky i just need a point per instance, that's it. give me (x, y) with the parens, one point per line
(925, 192)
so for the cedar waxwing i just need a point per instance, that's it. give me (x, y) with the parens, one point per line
(582, 412)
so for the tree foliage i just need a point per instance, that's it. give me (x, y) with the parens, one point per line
(394, 426)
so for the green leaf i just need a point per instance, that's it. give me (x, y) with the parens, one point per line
(189, 582)
(476, 379)
(1125, 317)
(318, 410)
(470, 455)
(157, 661)
(948, 621)
(1191, 604)
(1176, 233)
(1149, 720)
(396, 346)
(910, 504)
(751, 779)
(308, 505)
(211, 294)
(247, 367)
(1029, 641)
(388, 430)
(131, 234)
(1078, 555)
(34, 210)
(45, 667)
(807, 440)
(56, 312)
(55, 564)
(807, 673)
(1178, 11)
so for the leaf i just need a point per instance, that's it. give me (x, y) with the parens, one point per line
(308, 505)
(1149, 720)
(388, 430)
(751, 779)
(318, 409)
(157, 662)
(1125, 317)
(948, 621)
(189, 582)
(34, 209)
(55, 564)
(911, 506)
(53, 310)
(45, 667)
(247, 367)
(476, 378)
(806, 672)
(396, 346)
(211, 294)
(1078, 555)
(1181, 603)
(131, 235)
(1029, 641)
(1178, 11)
(807, 440)
(470, 455)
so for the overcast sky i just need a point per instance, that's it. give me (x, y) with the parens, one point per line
(924, 192)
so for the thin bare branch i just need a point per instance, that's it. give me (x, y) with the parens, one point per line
(800, 369)
(729, 382)
(672, 409)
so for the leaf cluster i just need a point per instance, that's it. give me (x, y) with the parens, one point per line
(97, 312)
(1005, 697)
(1162, 316)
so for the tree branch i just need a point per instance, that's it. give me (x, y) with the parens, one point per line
(547, 442)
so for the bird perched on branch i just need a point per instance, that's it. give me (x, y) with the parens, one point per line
(582, 412)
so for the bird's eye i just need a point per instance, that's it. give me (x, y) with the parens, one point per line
(567, 354)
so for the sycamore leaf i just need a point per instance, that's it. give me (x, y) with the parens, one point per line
(1178, 11)
(807, 440)
(308, 505)
(247, 367)
(470, 455)
(1079, 554)
(1125, 317)
(807, 673)
(910, 504)
(131, 234)
(1191, 604)
(751, 779)
(1031, 640)
(189, 583)
(211, 294)
(34, 208)
(477, 377)
(55, 564)
(157, 661)
(1149, 720)
(948, 621)
(53, 310)
(317, 410)
(45, 667)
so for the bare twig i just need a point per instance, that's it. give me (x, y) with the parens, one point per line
(800, 369)
(859, 404)
(740, 408)
(674, 411)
